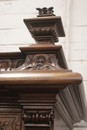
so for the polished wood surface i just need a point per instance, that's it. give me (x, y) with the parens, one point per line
(40, 78)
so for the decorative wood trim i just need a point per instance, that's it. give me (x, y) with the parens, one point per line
(38, 117)
(32, 81)
(43, 12)
(47, 49)
(10, 120)
(59, 79)
(13, 62)
(40, 62)
(9, 65)
(38, 112)
(11, 55)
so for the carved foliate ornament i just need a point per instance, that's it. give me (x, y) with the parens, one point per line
(45, 11)
(39, 62)
(10, 121)
(38, 117)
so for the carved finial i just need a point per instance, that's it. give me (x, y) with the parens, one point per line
(45, 11)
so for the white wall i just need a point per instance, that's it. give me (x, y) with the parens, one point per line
(77, 43)
(77, 32)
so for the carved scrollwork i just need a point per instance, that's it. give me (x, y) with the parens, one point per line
(40, 62)
(5, 65)
(9, 65)
(45, 11)
(10, 123)
(32, 62)
(3, 125)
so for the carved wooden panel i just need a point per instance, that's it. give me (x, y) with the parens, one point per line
(8, 64)
(32, 62)
(10, 121)
(40, 62)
